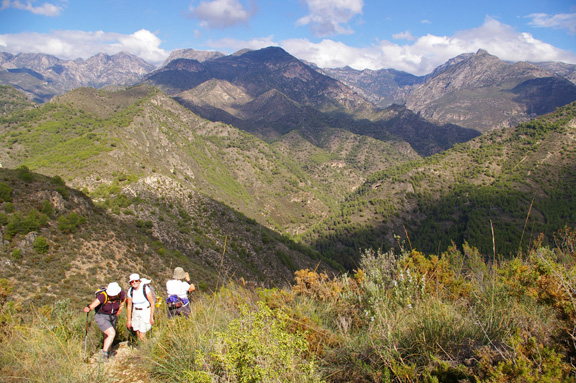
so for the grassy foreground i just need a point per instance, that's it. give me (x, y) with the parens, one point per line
(406, 317)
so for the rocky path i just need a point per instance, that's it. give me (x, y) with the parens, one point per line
(124, 367)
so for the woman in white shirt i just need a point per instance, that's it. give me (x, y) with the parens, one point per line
(140, 304)
(178, 288)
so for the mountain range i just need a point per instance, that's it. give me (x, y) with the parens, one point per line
(42, 76)
(474, 90)
(259, 164)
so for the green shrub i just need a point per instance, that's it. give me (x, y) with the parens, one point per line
(17, 254)
(40, 245)
(9, 207)
(47, 208)
(63, 191)
(24, 173)
(69, 223)
(5, 193)
(57, 180)
(20, 224)
(258, 347)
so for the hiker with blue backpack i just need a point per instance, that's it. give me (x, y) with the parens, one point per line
(177, 289)
(107, 305)
(140, 304)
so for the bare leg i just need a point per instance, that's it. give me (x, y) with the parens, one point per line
(141, 335)
(109, 335)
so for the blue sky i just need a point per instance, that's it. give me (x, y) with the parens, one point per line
(414, 36)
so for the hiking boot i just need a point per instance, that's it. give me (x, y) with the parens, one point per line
(104, 357)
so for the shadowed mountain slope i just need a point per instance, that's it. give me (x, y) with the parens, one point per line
(481, 92)
(269, 93)
(518, 182)
(476, 91)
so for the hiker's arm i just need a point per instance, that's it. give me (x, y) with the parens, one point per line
(152, 306)
(128, 311)
(191, 288)
(92, 306)
(121, 307)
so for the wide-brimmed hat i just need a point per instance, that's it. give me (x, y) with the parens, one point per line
(113, 289)
(134, 277)
(179, 273)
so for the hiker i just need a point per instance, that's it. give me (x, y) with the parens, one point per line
(178, 288)
(108, 304)
(140, 304)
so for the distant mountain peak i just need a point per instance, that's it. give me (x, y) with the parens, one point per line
(192, 54)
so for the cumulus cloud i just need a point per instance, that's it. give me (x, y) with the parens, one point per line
(236, 45)
(429, 51)
(74, 44)
(221, 13)
(46, 9)
(560, 21)
(329, 17)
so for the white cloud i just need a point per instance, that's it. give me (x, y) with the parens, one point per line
(560, 21)
(328, 17)
(430, 51)
(221, 13)
(406, 35)
(74, 44)
(46, 9)
(234, 45)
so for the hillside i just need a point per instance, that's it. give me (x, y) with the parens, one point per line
(518, 182)
(92, 136)
(11, 100)
(56, 239)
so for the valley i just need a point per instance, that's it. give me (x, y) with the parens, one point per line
(303, 156)
(338, 225)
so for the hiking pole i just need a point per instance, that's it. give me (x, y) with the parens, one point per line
(86, 336)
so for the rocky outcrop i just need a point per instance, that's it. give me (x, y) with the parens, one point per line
(482, 92)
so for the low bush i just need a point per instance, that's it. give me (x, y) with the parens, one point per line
(398, 318)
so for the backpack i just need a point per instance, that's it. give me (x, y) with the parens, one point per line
(146, 286)
(175, 302)
(102, 290)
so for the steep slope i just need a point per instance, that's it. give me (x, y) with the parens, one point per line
(479, 91)
(56, 239)
(258, 72)
(91, 137)
(503, 188)
(382, 87)
(269, 93)
(568, 71)
(12, 100)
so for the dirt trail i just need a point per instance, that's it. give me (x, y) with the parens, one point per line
(124, 367)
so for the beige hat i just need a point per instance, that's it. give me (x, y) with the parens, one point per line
(179, 273)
